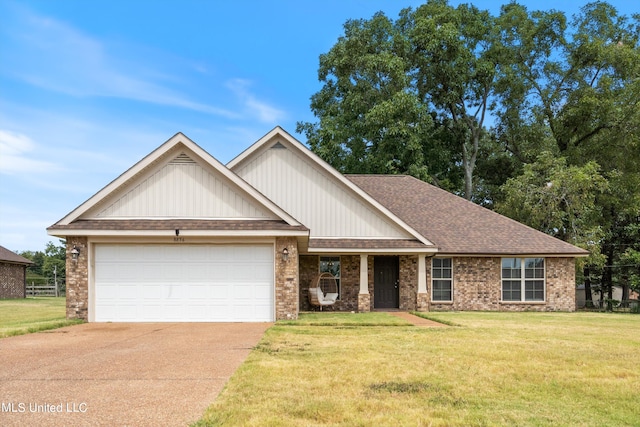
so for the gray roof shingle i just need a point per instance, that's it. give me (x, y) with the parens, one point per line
(8, 256)
(455, 225)
(365, 244)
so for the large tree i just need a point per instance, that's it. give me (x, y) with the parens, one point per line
(455, 57)
(371, 120)
(386, 83)
(560, 200)
(573, 88)
(468, 100)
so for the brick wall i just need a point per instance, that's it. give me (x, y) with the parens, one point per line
(561, 285)
(477, 285)
(408, 282)
(309, 266)
(349, 282)
(286, 279)
(12, 280)
(77, 279)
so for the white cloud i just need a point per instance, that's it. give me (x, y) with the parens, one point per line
(55, 56)
(15, 155)
(264, 112)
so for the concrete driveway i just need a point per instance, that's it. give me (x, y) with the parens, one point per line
(120, 374)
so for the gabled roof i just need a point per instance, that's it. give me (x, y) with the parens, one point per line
(11, 257)
(279, 138)
(133, 175)
(456, 225)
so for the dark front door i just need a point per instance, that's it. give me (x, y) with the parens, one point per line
(386, 293)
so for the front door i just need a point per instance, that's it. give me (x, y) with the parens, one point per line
(386, 293)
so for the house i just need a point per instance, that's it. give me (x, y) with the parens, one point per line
(13, 274)
(181, 237)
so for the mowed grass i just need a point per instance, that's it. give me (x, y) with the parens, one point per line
(23, 316)
(494, 369)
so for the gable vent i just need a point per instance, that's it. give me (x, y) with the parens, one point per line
(182, 159)
(278, 145)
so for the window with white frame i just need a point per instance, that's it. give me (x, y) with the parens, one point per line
(331, 264)
(441, 279)
(523, 279)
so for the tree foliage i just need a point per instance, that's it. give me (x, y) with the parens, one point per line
(454, 57)
(559, 200)
(49, 264)
(573, 88)
(527, 110)
(370, 119)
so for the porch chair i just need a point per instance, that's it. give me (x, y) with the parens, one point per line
(325, 292)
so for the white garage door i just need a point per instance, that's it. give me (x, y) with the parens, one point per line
(183, 283)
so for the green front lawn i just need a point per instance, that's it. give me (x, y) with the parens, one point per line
(524, 369)
(23, 316)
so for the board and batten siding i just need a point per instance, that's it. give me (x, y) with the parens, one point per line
(314, 197)
(181, 188)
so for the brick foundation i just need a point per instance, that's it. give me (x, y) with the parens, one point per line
(422, 302)
(364, 303)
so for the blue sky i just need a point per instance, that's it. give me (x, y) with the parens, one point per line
(88, 88)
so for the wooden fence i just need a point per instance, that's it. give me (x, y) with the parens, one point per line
(42, 290)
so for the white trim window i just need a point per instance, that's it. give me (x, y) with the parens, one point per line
(442, 279)
(523, 279)
(331, 264)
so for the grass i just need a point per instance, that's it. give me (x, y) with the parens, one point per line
(28, 315)
(345, 320)
(494, 369)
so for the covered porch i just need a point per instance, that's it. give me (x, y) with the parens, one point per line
(369, 281)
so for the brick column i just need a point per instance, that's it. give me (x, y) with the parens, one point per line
(77, 279)
(364, 298)
(422, 297)
(286, 279)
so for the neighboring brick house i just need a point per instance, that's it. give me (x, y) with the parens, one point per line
(13, 274)
(181, 237)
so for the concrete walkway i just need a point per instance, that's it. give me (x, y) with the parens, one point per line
(120, 374)
(416, 320)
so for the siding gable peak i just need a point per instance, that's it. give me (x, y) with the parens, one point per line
(178, 180)
(329, 204)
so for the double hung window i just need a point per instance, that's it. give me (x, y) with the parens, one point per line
(441, 279)
(523, 279)
(331, 264)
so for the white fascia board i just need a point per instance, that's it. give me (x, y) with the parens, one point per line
(510, 255)
(294, 143)
(157, 154)
(372, 251)
(183, 233)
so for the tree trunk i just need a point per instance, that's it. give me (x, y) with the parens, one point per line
(607, 277)
(588, 296)
(469, 163)
(625, 295)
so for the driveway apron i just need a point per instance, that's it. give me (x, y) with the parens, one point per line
(120, 374)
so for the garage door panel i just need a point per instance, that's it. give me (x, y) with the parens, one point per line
(183, 283)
